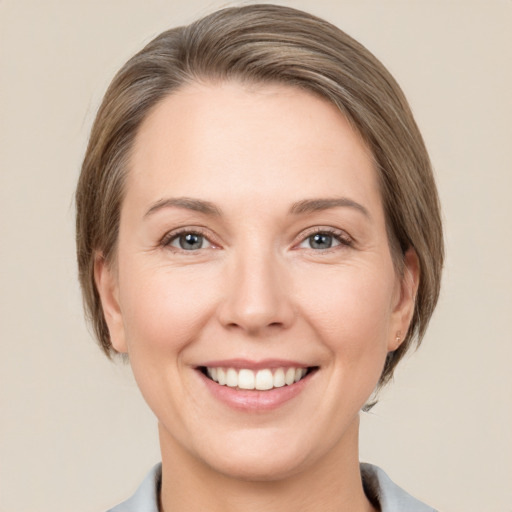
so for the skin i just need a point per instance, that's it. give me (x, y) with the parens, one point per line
(256, 289)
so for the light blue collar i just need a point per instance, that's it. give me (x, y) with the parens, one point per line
(377, 484)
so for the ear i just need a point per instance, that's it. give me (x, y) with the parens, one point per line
(406, 299)
(108, 289)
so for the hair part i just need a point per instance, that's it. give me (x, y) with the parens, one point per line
(259, 44)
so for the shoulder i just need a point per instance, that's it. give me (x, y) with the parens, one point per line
(389, 496)
(145, 498)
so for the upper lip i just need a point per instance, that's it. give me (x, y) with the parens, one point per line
(254, 365)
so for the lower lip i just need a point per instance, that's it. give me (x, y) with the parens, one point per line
(254, 400)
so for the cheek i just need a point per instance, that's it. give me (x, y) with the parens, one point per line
(163, 308)
(164, 311)
(353, 314)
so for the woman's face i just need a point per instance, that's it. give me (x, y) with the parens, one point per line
(253, 250)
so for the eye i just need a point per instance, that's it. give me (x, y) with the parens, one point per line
(187, 241)
(322, 240)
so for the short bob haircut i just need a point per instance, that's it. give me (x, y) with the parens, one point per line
(261, 44)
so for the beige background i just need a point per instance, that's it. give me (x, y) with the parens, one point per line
(74, 432)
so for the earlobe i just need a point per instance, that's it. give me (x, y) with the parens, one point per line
(106, 284)
(404, 308)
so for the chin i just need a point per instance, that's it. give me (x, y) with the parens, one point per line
(260, 457)
(258, 468)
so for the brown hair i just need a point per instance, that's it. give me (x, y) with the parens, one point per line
(259, 44)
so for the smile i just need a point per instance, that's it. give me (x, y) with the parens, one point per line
(261, 380)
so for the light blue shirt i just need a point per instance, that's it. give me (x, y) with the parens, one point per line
(377, 484)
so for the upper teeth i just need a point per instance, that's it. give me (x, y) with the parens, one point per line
(260, 380)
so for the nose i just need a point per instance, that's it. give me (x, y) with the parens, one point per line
(257, 298)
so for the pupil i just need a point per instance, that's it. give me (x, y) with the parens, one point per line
(321, 241)
(191, 241)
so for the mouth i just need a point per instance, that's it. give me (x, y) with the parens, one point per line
(264, 379)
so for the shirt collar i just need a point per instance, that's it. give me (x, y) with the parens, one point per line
(378, 487)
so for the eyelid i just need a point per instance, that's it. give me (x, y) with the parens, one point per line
(342, 236)
(166, 240)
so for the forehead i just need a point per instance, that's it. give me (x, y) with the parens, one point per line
(209, 139)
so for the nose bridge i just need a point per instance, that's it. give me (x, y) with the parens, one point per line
(257, 295)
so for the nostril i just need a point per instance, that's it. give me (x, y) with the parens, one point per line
(254, 326)
(255, 299)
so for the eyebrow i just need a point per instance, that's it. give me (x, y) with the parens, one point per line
(314, 205)
(187, 203)
(298, 208)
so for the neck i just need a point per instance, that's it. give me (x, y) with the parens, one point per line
(332, 484)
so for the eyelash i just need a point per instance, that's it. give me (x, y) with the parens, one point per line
(174, 235)
(340, 236)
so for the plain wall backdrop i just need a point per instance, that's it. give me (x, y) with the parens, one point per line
(74, 432)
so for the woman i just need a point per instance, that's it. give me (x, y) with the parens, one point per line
(258, 230)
